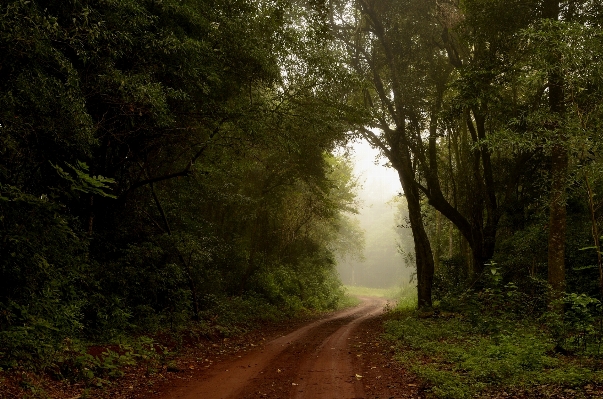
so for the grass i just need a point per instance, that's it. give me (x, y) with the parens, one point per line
(348, 301)
(394, 293)
(457, 361)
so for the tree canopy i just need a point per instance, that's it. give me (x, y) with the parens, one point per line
(160, 159)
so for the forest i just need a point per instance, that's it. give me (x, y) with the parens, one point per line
(172, 167)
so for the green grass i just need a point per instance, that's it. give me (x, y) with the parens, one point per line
(394, 293)
(458, 362)
(369, 291)
(348, 301)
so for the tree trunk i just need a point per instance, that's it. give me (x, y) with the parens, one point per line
(423, 253)
(595, 231)
(450, 242)
(559, 168)
(557, 222)
(438, 245)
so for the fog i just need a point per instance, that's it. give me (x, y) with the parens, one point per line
(381, 212)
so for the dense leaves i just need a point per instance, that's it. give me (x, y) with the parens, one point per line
(159, 160)
(490, 113)
(169, 163)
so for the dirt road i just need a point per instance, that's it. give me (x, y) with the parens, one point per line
(319, 360)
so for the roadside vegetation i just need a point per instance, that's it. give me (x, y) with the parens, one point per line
(161, 181)
(108, 368)
(388, 293)
(173, 178)
(500, 342)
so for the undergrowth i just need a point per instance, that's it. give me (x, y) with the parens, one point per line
(394, 293)
(97, 363)
(485, 344)
(348, 301)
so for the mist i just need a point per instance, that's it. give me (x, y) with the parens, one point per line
(388, 251)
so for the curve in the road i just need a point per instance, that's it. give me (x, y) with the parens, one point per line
(311, 362)
(329, 374)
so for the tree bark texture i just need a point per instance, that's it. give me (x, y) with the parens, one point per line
(423, 253)
(595, 231)
(557, 221)
(559, 168)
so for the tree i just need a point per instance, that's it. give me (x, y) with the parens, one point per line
(146, 168)
(393, 48)
(559, 164)
(442, 77)
(380, 57)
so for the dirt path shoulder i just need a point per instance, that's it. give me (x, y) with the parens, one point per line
(340, 356)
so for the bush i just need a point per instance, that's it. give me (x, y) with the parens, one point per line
(578, 327)
(491, 343)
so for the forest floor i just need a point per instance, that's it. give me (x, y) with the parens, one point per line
(341, 355)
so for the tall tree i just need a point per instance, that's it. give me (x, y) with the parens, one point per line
(559, 161)
(379, 38)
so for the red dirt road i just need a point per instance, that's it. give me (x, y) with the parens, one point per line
(319, 360)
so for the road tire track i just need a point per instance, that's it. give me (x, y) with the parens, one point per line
(311, 362)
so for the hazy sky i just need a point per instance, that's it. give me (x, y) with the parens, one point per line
(379, 183)
(383, 266)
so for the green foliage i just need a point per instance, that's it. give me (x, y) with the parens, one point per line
(458, 361)
(85, 183)
(450, 280)
(162, 175)
(576, 324)
(96, 366)
(348, 301)
(44, 277)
